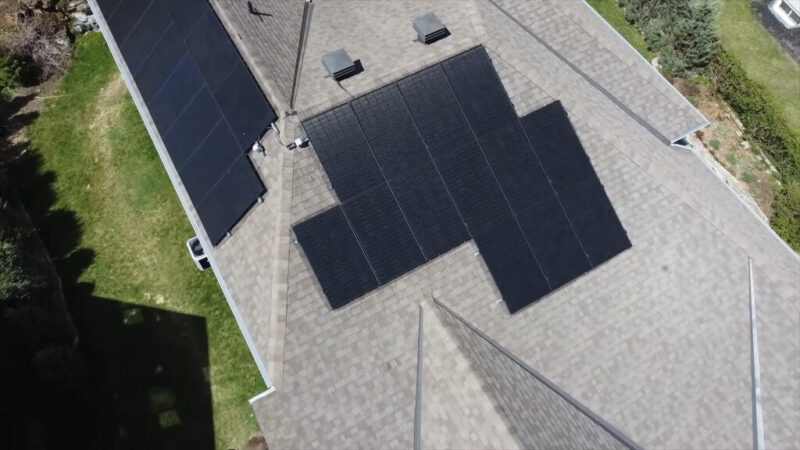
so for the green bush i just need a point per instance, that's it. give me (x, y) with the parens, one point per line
(683, 32)
(10, 72)
(786, 219)
(13, 281)
(766, 127)
(758, 113)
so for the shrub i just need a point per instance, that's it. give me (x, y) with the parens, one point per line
(10, 70)
(683, 32)
(766, 128)
(42, 43)
(715, 144)
(13, 281)
(753, 105)
(786, 220)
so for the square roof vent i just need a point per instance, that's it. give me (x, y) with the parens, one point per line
(430, 29)
(338, 64)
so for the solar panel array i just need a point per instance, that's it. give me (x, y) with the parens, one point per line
(204, 101)
(440, 157)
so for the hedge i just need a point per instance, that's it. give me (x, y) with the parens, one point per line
(765, 126)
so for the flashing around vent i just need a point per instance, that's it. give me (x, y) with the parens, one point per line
(430, 29)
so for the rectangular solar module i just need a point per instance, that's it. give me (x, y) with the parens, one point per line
(440, 157)
(203, 99)
(336, 256)
(383, 233)
(574, 178)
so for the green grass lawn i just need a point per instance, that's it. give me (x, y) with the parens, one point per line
(763, 59)
(615, 16)
(130, 235)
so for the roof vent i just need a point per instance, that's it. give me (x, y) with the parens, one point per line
(430, 29)
(339, 64)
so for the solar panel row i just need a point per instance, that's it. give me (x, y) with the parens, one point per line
(204, 101)
(574, 178)
(439, 157)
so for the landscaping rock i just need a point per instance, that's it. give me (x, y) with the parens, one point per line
(83, 23)
(745, 145)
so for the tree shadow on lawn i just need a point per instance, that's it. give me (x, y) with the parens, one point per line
(146, 370)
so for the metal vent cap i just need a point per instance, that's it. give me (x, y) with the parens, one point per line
(430, 29)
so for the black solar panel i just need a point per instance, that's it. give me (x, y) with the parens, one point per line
(125, 18)
(578, 187)
(475, 191)
(336, 256)
(383, 232)
(211, 50)
(429, 209)
(177, 91)
(186, 14)
(204, 101)
(426, 92)
(512, 265)
(553, 241)
(230, 198)
(244, 106)
(192, 128)
(459, 164)
(166, 55)
(390, 131)
(595, 221)
(342, 149)
(209, 162)
(145, 36)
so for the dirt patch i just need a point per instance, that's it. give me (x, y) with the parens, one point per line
(108, 106)
(724, 140)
